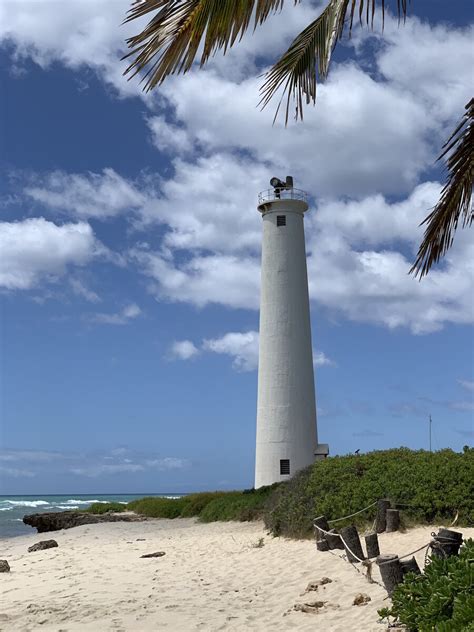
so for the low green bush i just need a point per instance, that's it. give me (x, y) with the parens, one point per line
(428, 487)
(156, 507)
(102, 508)
(197, 502)
(207, 506)
(440, 599)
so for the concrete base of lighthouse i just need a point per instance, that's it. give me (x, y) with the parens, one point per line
(286, 408)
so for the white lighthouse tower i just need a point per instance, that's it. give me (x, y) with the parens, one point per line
(287, 439)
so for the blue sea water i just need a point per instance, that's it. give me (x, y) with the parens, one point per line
(13, 508)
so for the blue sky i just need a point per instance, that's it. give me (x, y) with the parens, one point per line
(129, 276)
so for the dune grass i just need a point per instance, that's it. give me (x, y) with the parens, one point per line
(207, 506)
(102, 508)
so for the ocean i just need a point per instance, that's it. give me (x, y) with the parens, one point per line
(13, 508)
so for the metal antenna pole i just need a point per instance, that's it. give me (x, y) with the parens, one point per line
(430, 431)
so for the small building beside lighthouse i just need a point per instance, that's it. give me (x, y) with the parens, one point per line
(287, 438)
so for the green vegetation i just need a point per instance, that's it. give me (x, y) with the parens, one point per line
(244, 506)
(154, 507)
(207, 506)
(429, 487)
(102, 508)
(441, 599)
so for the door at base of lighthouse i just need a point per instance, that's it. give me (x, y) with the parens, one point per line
(284, 466)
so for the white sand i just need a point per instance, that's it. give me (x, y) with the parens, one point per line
(211, 578)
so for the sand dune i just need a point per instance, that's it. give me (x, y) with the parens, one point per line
(213, 577)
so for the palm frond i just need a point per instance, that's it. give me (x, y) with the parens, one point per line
(170, 41)
(455, 200)
(307, 59)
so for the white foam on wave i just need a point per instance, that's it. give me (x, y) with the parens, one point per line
(25, 503)
(6, 508)
(74, 501)
(67, 506)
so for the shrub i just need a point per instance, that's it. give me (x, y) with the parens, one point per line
(427, 486)
(101, 508)
(234, 506)
(197, 502)
(156, 507)
(208, 506)
(441, 599)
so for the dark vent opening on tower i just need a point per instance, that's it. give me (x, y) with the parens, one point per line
(284, 466)
(281, 220)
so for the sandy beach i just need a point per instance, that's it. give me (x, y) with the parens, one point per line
(212, 577)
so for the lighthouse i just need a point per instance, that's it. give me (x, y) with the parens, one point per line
(287, 439)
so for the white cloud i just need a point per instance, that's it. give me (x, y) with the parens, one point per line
(168, 463)
(202, 279)
(81, 290)
(167, 136)
(123, 317)
(206, 200)
(354, 122)
(321, 359)
(98, 470)
(15, 472)
(128, 465)
(88, 195)
(409, 54)
(183, 349)
(121, 460)
(463, 406)
(32, 456)
(467, 384)
(353, 272)
(88, 33)
(241, 346)
(36, 249)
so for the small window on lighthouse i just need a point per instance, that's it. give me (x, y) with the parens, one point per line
(284, 466)
(281, 220)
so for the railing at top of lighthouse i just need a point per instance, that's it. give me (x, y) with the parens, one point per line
(284, 193)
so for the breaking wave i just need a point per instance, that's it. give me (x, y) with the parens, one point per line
(24, 503)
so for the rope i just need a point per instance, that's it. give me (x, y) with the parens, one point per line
(343, 541)
(401, 557)
(354, 514)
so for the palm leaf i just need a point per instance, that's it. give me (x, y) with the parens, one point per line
(455, 200)
(170, 42)
(306, 60)
(309, 55)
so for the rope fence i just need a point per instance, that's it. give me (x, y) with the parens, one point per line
(436, 544)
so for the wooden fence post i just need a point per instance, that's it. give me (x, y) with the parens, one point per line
(352, 542)
(334, 540)
(392, 520)
(381, 519)
(410, 566)
(372, 545)
(391, 571)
